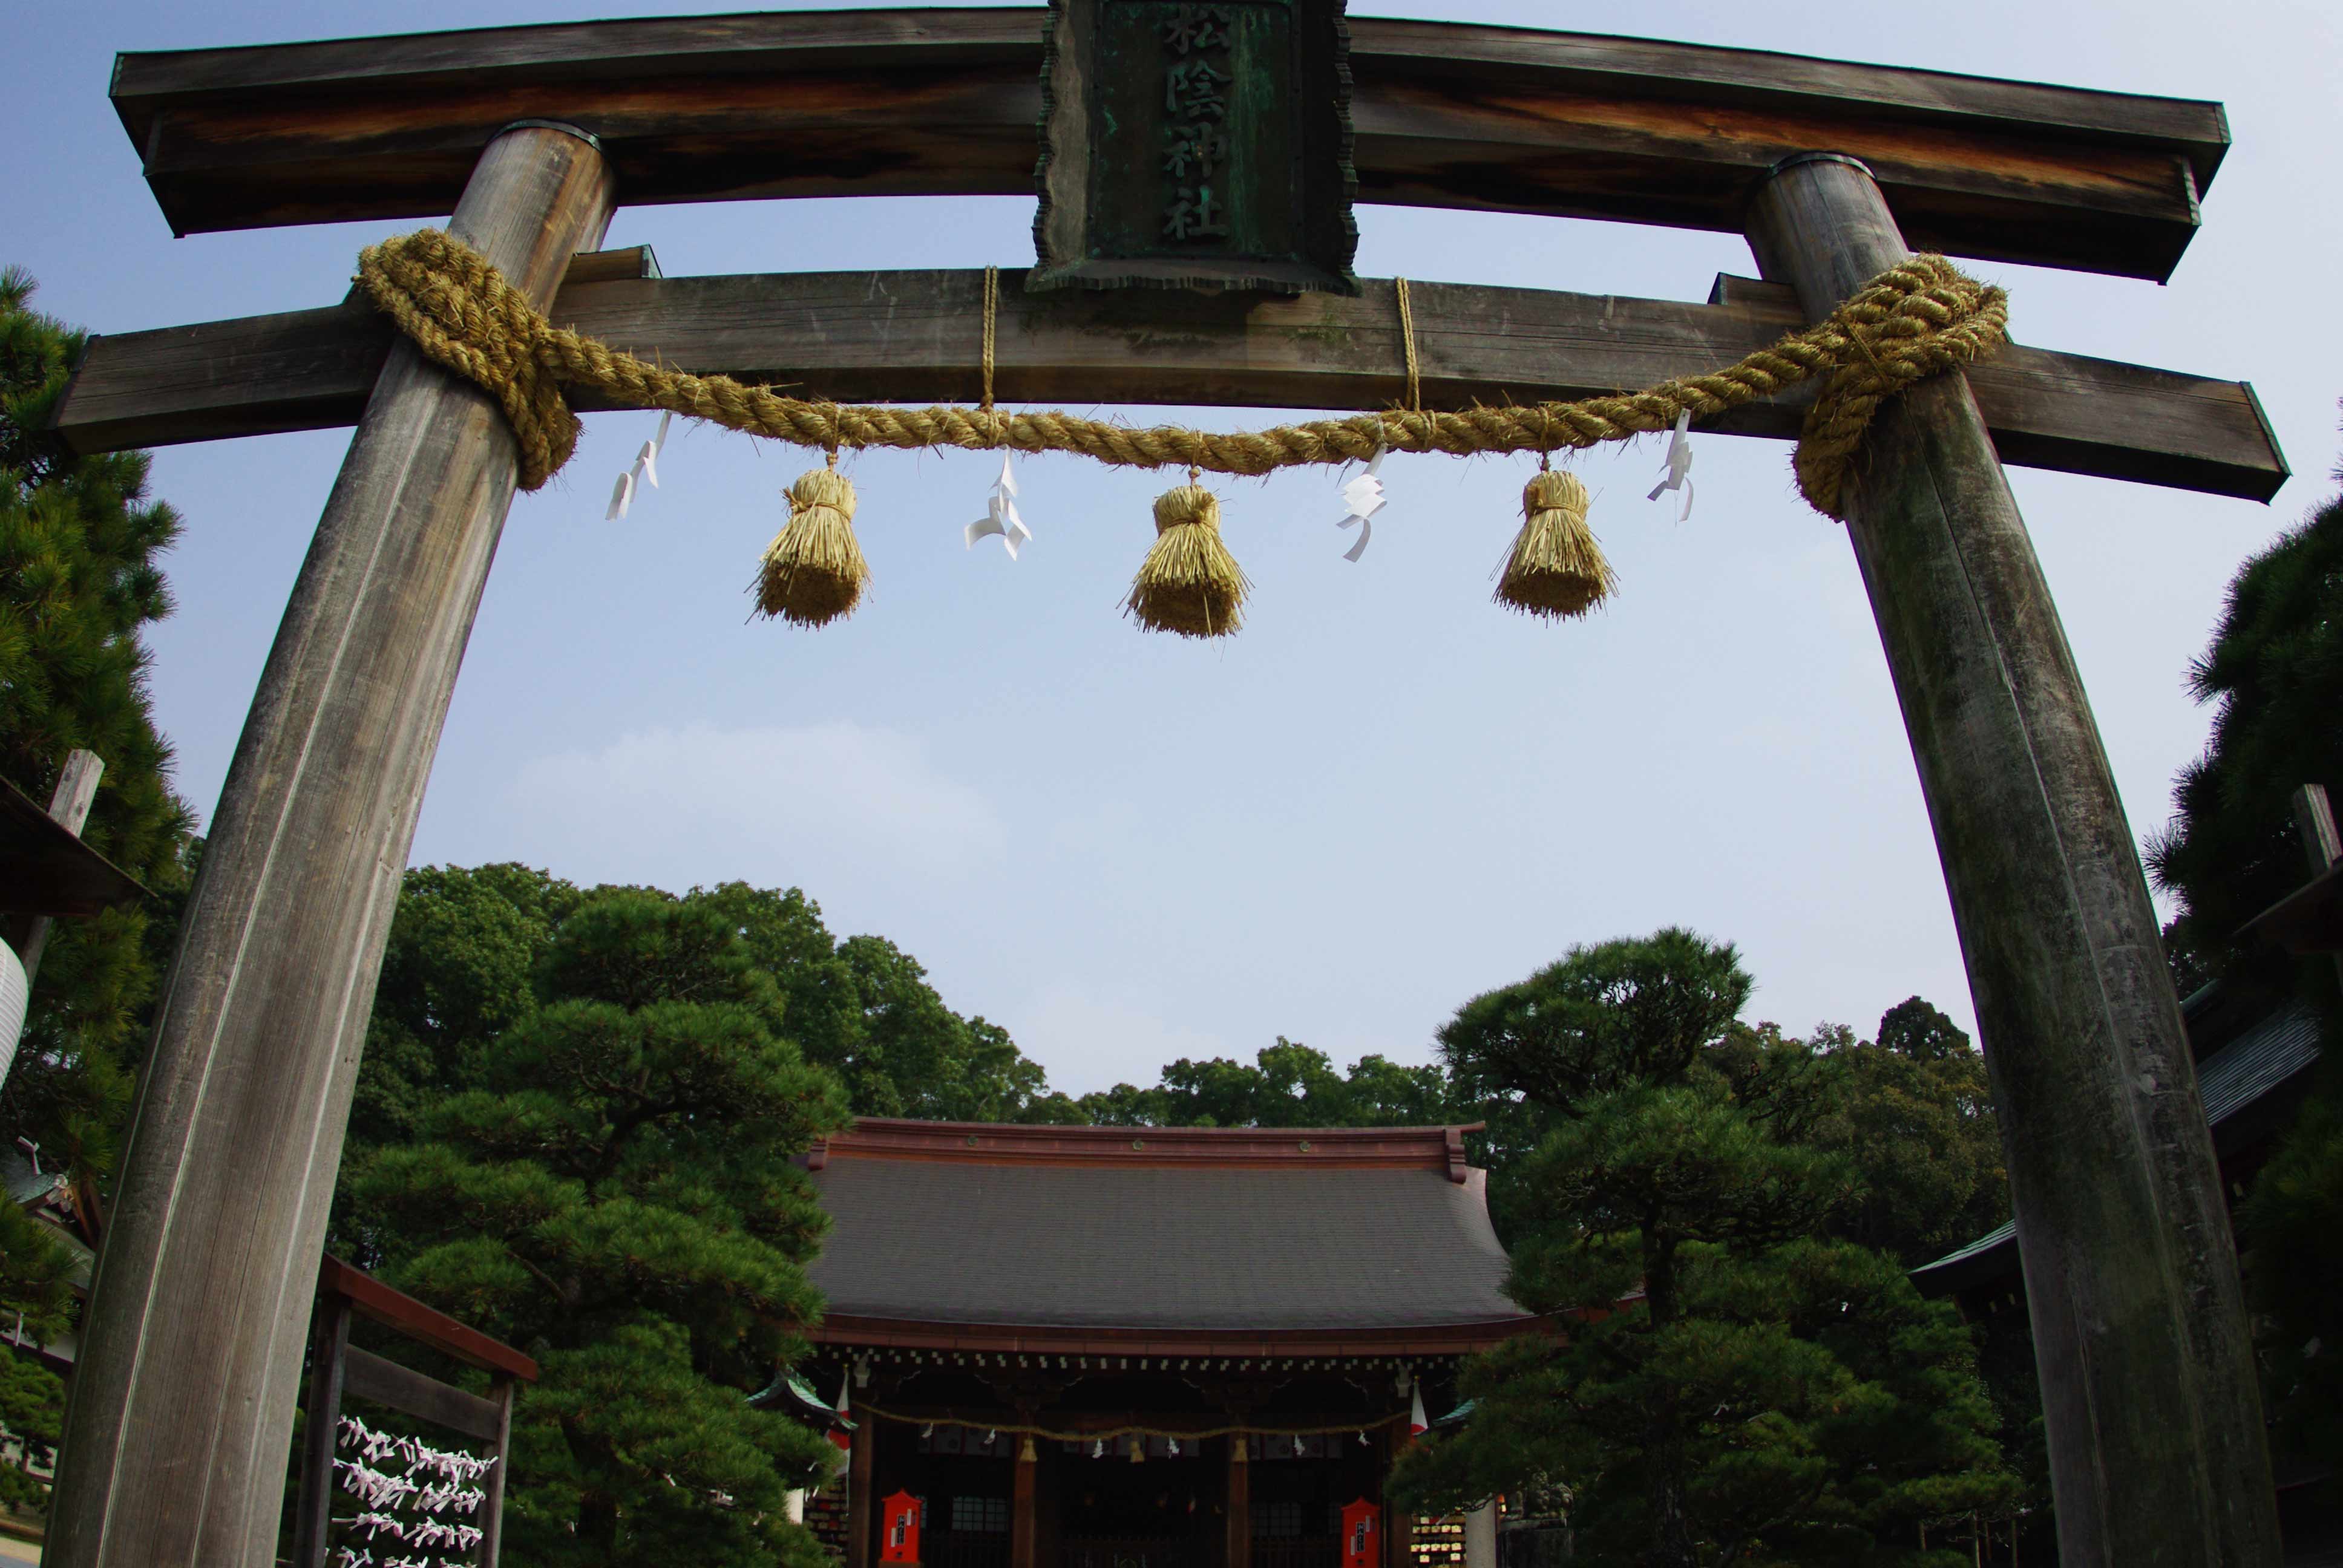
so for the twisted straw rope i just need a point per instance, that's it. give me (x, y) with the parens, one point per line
(1128, 1429)
(1912, 321)
(1407, 338)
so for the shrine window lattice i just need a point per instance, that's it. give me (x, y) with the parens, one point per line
(981, 1515)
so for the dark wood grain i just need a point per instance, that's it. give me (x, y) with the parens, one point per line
(916, 336)
(492, 1507)
(1238, 1551)
(929, 102)
(397, 1310)
(862, 1497)
(312, 1509)
(2157, 1450)
(369, 1376)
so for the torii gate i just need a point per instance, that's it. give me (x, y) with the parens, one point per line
(176, 1444)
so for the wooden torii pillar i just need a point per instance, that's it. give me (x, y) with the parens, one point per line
(182, 1408)
(2131, 1276)
(175, 1442)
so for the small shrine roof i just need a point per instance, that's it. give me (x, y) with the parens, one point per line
(1352, 1241)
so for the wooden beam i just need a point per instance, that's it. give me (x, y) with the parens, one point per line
(862, 1496)
(313, 1512)
(385, 1382)
(1023, 1524)
(945, 102)
(916, 336)
(1238, 1551)
(2148, 1383)
(191, 1351)
(397, 1310)
(492, 1507)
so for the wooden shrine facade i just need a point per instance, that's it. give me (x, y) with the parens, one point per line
(1101, 1346)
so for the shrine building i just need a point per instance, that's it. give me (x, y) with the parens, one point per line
(1114, 1347)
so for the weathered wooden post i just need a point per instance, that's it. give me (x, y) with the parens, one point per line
(2155, 1428)
(182, 1410)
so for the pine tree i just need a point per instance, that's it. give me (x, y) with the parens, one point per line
(2275, 673)
(617, 1197)
(1734, 1385)
(79, 539)
(1288, 1084)
(78, 583)
(1914, 1111)
(2274, 668)
(36, 1295)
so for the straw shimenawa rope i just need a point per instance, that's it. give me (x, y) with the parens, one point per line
(1912, 321)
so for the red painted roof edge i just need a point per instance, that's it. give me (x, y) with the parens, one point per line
(1439, 1147)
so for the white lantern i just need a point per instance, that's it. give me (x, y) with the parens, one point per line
(15, 992)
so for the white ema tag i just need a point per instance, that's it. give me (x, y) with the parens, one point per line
(1000, 516)
(1364, 497)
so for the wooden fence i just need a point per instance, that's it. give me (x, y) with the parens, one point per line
(337, 1367)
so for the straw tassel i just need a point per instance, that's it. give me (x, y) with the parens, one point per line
(814, 570)
(1555, 569)
(1189, 584)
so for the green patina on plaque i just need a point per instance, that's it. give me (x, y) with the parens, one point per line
(1196, 143)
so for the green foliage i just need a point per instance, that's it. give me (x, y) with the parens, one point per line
(466, 962)
(79, 539)
(459, 970)
(36, 1302)
(2294, 1272)
(615, 1193)
(2275, 670)
(1737, 1383)
(1915, 1114)
(1288, 1085)
(863, 1008)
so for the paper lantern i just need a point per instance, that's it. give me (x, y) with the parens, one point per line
(1362, 1534)
(898, 1539)
(15, 992)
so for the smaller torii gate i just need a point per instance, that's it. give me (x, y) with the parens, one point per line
(175, 1442)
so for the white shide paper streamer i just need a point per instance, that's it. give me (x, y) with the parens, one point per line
(645, 468)
(1364, 496)
(1000, 515)
(1677, 475)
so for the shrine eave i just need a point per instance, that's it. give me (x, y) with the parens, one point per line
(1148, 1348)
(1438, 1149)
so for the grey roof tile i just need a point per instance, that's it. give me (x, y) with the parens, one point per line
(1195, 1247)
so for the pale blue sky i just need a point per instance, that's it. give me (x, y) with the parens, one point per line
(1386, 795)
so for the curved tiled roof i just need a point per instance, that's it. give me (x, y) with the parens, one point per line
(1158, 1231)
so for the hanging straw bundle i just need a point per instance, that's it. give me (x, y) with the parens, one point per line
(1189, 584)
(1555, 569)
(814, 571)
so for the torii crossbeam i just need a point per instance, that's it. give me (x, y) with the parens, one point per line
(174, 1451)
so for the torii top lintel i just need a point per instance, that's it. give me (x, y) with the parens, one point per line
(946, 101)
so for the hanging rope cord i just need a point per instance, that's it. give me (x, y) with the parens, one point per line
(1912, 321)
